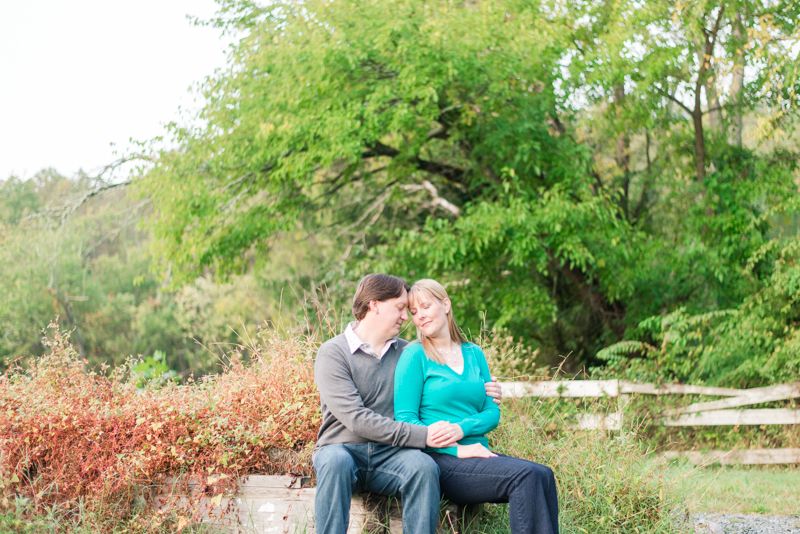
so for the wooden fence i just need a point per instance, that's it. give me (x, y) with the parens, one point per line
(725, 412)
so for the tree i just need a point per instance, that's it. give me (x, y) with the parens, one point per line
(533, 156)
(92, 271)
(660, 63)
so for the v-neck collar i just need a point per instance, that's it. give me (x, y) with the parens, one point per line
(463, 372)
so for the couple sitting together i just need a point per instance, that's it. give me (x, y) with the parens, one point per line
(410, 419)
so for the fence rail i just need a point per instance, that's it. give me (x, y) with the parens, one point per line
(725, 412)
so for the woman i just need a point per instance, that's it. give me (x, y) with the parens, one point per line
(440, 378)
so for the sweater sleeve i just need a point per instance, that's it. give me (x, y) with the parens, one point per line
(339, 392)
(489, 417)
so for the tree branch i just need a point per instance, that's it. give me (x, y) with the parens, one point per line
(64, 211)
(672, 97)
(437, 200)
(449, 172)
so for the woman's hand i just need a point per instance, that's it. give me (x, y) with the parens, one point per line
(476, 450)
(434, 430)
(445, 434)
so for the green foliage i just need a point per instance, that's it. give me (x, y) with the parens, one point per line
(92, 270)
(313, 90)
(567, 170)
(152, 370)
(751, 346)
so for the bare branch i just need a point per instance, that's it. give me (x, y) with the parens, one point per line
(133, 215)
(437, 200)
(378, 205)
(62, 212)
(672, 97)
(440, 131)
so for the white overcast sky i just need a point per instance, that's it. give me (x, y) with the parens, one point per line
(78, 75)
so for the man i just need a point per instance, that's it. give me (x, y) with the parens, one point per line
(360, 447)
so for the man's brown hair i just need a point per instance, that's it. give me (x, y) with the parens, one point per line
(378, 287)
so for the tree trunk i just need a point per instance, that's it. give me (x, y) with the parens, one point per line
(699, 140)
(610, 314)
(705, 56)
(623, 156)
(737, 84)
(709, 81)
(714, 111)
(649, 176)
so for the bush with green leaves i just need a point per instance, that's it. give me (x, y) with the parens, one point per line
(756, 344)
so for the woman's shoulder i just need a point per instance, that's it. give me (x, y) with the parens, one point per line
(472, 347)
(413, 350)
(412, 357)
(475, 350)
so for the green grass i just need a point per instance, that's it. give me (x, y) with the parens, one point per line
(763, 490)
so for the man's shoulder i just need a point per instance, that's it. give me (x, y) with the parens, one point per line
(335, 347)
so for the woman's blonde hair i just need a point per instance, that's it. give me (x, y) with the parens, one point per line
(435, 290)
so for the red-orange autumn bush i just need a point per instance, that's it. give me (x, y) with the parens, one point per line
(67, 433)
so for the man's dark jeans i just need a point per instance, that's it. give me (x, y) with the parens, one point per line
(529, 488)
(345, 469)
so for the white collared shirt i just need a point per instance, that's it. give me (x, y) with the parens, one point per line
(355, 343)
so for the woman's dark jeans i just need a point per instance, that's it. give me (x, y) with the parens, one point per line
(529, 488)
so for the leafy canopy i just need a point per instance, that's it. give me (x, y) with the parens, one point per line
(567, 168)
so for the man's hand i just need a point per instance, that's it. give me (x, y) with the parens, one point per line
(447, 434)
(494, 390)
(434, 429)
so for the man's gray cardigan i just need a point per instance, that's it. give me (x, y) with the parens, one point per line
(357, 396)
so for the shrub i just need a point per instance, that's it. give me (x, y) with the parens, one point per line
(81, 449)
(757, 344)
(71, 435)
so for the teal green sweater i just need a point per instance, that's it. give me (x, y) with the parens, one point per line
(426, 392)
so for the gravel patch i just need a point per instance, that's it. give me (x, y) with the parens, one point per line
(745, 524)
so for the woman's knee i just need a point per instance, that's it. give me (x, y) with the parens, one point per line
(549, 477)
(538, 473)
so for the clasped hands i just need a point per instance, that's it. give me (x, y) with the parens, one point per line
(443, 434)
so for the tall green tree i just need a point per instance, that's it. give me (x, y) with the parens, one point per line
(551, 162)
